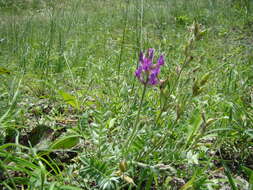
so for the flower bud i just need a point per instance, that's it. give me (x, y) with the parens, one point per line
(123, 166)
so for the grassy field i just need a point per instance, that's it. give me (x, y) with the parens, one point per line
(73, 115)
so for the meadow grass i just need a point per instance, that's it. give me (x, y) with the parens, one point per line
(74, 116)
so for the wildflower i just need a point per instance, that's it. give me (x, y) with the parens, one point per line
(147, 72)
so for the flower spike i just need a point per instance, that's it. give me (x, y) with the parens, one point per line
(147, 72)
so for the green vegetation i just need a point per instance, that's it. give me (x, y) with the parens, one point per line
(73, 115)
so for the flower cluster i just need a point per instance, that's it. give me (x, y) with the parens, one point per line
(147, 72)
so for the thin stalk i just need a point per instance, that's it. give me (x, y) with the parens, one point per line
(139, 110)
(177, 81)
(176, 85)
(139, 28)
(12, 104)
(123, 39)
(73, 81)
(159, 143)
(141, 22)
(136, 126)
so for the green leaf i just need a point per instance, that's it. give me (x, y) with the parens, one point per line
(249, 172)
(229, 176)
(24, 163)
(111, 123)
(4, 71)
(4, 146)
(251, 180)
(69, 99)
(65, 142)
(189, 184)
(193, 128)
(68, 187)
(192, 158)
(19, 180)
(250, 133)
(204, 79)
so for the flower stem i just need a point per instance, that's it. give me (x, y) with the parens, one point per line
(163, 108)
(136, 126)
(139, 110)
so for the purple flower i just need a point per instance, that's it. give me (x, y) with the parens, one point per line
(147, 72)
